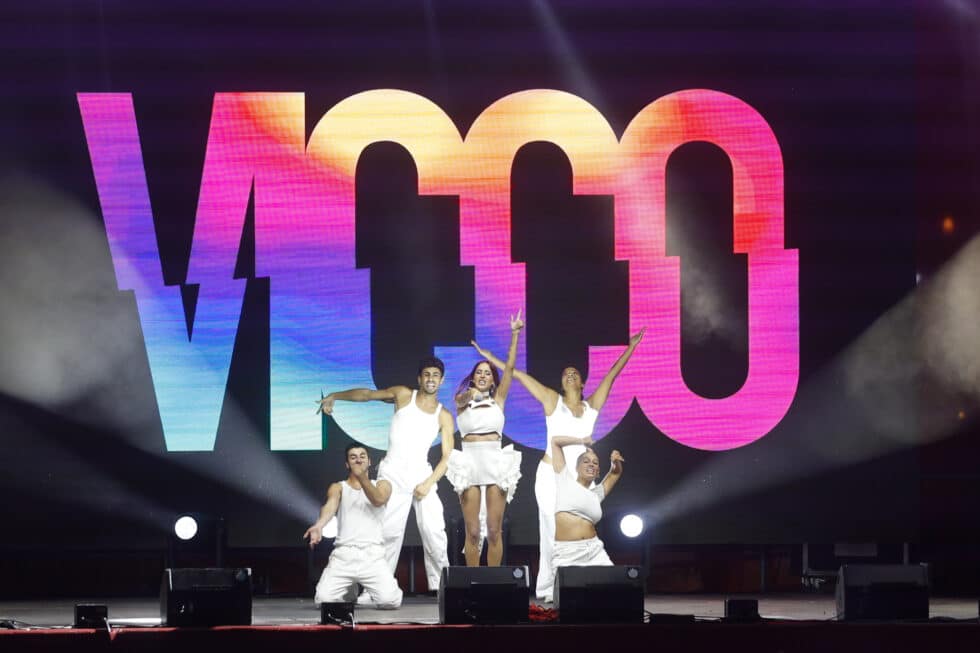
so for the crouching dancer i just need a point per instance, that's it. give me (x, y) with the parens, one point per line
(577, 505)
(358, 555)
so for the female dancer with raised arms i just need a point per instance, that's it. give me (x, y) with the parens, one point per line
(577, 505)
(566, 413)
(482, 463)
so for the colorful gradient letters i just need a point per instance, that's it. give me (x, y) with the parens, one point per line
(320, 321)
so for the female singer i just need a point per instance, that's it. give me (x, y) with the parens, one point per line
(483, 464)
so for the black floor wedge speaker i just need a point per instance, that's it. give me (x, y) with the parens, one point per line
(484, 595)
(206, 597)
(599, 595)
(882, 592)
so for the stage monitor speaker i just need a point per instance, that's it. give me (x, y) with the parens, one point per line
(90, 615)
(211, 596)
(741, 610)
(882, 592)
(336, 614)
(599, 595)
(484, 595)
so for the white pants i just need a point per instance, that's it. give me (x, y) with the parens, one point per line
(366, 565)
(428, 516)
(544, 493)
(580, 553)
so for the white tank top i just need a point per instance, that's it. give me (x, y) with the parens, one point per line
(563, 422)
(412, 432)
(358, 522)
(481, 417)
(571, 496)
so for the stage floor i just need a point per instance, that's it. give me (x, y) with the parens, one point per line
(277, 611)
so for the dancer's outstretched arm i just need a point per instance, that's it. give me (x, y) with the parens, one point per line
(396, 394)
(327, 511)
(598, 398)
(558, 443)
(545, 395)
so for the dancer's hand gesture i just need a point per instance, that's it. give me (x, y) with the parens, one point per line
(516, 323)
(616, 460)
(421, 490)
(326, 405)
(637, 337)
(360, 469)
(480, 350)
(315, 534)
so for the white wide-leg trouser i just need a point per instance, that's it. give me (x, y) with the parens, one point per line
(361, 564)
(428, 516)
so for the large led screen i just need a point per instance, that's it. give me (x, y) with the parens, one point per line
(214, 214)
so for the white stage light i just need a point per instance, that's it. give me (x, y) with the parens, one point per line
(631, 525)
(330, 530)
(185, 527)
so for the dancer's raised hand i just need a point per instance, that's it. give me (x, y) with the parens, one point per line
(616, 460)
(637, 337)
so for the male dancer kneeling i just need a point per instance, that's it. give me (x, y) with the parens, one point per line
(358, 553)
(418, 419)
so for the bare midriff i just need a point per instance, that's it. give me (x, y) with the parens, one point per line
(570, 528)
(481, 437)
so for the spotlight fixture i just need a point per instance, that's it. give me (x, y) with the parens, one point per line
(185, 527)
(631, 525)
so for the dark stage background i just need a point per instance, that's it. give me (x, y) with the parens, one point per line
(875, 108)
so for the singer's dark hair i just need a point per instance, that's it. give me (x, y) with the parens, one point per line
(468, 379)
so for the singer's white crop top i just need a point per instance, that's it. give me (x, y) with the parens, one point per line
(481, 417)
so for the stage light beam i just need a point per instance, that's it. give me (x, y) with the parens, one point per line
(62, 364)
(911, 379)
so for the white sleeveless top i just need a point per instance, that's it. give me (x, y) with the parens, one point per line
(358, 522)
(481, 417)
(412, 432)
(563, 422)
(582, 502)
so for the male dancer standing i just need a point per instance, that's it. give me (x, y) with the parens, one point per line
(418, 418)
(358, 555)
